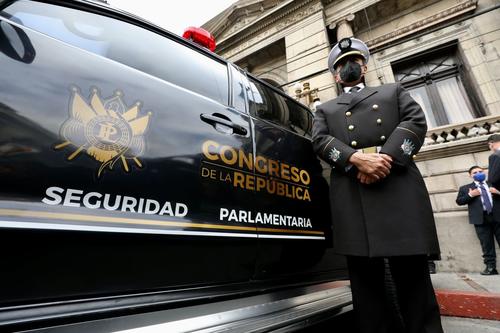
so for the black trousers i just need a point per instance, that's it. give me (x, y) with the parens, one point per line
(487, 232)
(393, 295)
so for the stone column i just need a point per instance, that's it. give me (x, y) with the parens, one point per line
(307, 50)
(344, 28)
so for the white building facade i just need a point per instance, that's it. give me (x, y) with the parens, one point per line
(446, 53)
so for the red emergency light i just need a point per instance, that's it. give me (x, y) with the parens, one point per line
(200, 36)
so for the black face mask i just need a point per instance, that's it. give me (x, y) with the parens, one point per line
(350, 72)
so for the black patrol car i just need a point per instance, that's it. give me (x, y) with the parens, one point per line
(146, 181)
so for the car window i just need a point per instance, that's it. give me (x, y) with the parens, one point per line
(300, 118)
(239, 89)
(271, 106)
(128, 44)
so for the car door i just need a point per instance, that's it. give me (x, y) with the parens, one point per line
(116, 151)
(292, 193)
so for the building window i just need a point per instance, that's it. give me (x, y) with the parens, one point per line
(436, 80)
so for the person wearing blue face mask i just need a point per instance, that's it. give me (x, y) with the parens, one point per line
(484, 213)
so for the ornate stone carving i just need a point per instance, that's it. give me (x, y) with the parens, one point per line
(458, 139)
(340, 9)
(276, 24)
(240, 23)
(444, 15)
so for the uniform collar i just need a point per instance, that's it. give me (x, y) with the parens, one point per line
(353, 99)
(360, 85)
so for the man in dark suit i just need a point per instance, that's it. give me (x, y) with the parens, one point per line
(484, 213)
(381, 209)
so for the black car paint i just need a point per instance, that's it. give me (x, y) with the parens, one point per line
(44, 265)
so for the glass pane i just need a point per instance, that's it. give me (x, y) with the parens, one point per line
(407, 73)
(419, 94)
(128, 44)
(300, 118)
(438, 64)
(238, 79)
(456, 105)
(271, 106)
(267, 104)
(258, 100)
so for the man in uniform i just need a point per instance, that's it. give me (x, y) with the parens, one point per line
(380, 206)
(494, 160)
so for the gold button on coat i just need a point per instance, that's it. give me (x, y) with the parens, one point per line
(379, 121)
(351, 127)
(375, 107)
(354, 143)
(382, 138)
(348, 113)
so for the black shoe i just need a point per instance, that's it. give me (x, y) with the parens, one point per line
(489, 270)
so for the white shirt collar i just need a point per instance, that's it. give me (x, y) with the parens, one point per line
(361, 85)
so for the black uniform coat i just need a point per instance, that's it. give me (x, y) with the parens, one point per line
(393, 216)
(475, 205)
(494, 169)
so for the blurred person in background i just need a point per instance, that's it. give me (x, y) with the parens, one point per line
(483, 203)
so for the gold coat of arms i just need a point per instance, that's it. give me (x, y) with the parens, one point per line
(107, 130)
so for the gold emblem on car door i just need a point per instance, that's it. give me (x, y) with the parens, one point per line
(106, 129)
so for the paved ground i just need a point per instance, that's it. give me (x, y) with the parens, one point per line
(470, 295)
(468, 325)
(466, 282)
(344, 324)
(469, 283)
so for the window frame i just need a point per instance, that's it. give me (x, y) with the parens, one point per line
(428, 80)
(120, 15)
(235, 74)
(253, 112)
